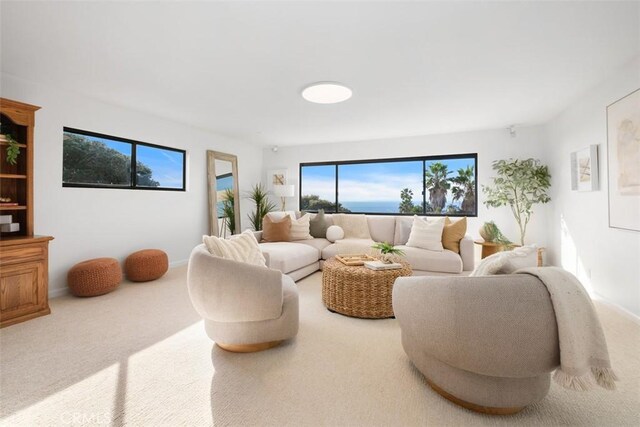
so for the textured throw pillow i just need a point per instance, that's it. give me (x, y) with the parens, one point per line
(507, 262)
(354, 226)
(318, 225)
(426, 234)
(300, 228)
(452, 234)
(243, 248)
(276, 231)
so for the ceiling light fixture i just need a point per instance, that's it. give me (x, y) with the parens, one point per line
(326, 93)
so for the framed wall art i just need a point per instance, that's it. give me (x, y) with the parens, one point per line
(584, 169)
(623, 160)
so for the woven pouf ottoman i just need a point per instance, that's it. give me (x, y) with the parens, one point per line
(145, 265)
(94, 277)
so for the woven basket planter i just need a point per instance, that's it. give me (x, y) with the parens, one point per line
(94, 277)
(145, 265)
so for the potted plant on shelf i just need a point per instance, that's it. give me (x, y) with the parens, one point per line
(260, 196)
(388, 252)
(520, 184)
(13, 149)
(491, 233)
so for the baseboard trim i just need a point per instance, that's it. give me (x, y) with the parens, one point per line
(632, 316)
(178, 263)
(55, 293)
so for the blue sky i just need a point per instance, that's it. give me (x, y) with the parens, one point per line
(371, 181)
(165, 164)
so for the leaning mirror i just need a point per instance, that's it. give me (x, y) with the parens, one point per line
(224, 201)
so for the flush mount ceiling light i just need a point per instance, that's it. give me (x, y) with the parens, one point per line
(326, 93)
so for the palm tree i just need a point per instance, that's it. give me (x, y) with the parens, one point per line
(464, 187)
(228, 209)
(438, 184)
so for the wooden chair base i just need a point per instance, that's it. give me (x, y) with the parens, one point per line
(248, 348)
(472, 406)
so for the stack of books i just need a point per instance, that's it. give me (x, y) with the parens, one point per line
(379, 265)
(7, 225)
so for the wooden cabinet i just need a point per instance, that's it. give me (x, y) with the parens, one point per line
(24, 272)
(24, 277)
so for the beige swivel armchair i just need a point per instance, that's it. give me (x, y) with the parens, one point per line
(246, 308)
(486, 343)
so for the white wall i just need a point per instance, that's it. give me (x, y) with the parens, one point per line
(88, 223)
(606, 260)
(490, 145)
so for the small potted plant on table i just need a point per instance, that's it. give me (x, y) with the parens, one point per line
(388, 252)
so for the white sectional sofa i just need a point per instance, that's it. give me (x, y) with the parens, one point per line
(300, 258)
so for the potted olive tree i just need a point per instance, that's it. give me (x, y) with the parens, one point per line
(520, 184)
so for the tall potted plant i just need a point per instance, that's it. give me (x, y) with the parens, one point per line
(260, 196)
(228, 209)
(520, 184)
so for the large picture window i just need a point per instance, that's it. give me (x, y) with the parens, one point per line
(102, 161)
(430, 185)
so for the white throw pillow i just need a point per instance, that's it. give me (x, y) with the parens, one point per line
(426, 233)
(242, 248)
(335, 232)
(354, 226)
(507, 262)
(300, 228)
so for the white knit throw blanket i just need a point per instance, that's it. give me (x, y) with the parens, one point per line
(583, 348)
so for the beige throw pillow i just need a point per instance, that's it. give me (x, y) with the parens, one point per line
(300, 228)
(276, 231)
(426, 233)
(242, 248)
(354, 226)
(507, 262)
(454, 232)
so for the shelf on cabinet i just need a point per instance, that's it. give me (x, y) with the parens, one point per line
(12, 175)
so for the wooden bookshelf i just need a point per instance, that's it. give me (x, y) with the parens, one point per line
(24, 258)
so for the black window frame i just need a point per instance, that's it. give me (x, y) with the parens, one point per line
(134, 162)
(423, 159)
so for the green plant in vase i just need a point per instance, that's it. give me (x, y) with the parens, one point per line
(387, 251)
(520, 184)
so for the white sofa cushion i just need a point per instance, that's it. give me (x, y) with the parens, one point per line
(348, 246)
(289, 256)
(317, 243)
(382, 228)
(444, 261)
(426, 233)
(354, 226)
(403, 230)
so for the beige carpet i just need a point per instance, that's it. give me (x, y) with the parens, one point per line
(139, 356)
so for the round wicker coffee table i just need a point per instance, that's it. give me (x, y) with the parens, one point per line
(359, 291)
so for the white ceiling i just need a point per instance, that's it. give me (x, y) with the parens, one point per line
(237, 68)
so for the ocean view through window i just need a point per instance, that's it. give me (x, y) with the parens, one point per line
(102, 161)
(428, 185)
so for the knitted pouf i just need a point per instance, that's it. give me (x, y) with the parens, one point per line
(145, 265)
(94, 277)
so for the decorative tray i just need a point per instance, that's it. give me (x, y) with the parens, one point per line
(353, 260)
